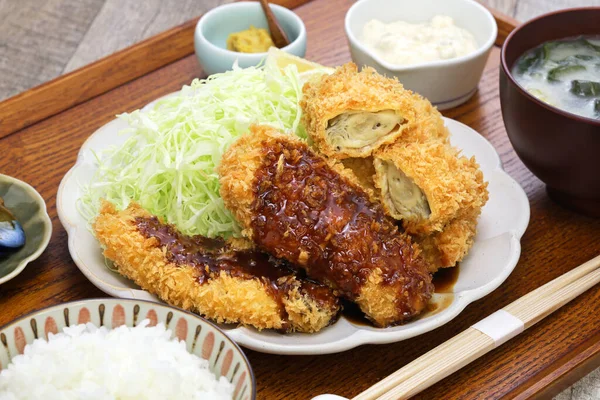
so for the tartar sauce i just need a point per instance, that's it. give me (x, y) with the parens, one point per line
(404, 43)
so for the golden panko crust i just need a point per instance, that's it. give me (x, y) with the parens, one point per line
(453, 184)
(236, 175)
(381, 300)
(364, 170)
(263, 195)
(427, 125)
(446, 248)
(223, 298)
(238, 167)
(349, 90)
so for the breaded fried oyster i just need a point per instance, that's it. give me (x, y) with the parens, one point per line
(226, 282)
(351, 113)
(301, 207)
(364, 170)
(412, 169)
(428, 184)
(449, 246)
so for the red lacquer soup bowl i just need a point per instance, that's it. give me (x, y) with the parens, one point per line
(562, 149)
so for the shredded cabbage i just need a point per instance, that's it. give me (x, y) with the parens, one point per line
(167, 164)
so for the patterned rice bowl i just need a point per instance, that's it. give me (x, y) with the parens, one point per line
(202, 338)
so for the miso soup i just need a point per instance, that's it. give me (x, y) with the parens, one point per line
(564, 73)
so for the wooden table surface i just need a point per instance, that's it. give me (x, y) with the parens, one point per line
(39, 42)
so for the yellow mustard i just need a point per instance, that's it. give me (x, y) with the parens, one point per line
(252, 40)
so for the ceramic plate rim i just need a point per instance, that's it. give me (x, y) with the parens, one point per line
(359, 336)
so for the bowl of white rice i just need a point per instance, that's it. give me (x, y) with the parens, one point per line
(120, 349)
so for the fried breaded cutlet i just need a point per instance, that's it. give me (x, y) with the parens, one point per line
(414, 172)
(226, 282)
(428, 184)
(428, 124)
(364, 170)
(449, 246)
(351, 114)
(301, 207)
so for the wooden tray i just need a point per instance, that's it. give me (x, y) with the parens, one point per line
(42, 130)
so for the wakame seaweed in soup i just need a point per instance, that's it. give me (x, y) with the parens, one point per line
(564, 73)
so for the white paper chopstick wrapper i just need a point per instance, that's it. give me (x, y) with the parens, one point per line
(500, 326)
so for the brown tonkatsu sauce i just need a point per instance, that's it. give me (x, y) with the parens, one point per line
(443, 281)
(309, 214)
(354, 315)
(213, 256)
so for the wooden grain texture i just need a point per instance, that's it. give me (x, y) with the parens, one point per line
(96, 78)
(504, 22)
(431, 367)
(41, 40)
(278, 35)
(556, 241)
(472, 343)
(569, 378)
(507, 7)
(37, 38)
(32, 106)
(121, 23)
(526, 9)
(83, 84)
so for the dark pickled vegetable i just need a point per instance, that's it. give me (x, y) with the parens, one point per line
(597, 107)
(585, 88)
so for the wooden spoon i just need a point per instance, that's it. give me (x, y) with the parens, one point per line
(278, 35)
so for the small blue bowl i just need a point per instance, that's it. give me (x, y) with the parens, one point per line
(212, 30)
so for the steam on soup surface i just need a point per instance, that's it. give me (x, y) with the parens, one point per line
(564, 74)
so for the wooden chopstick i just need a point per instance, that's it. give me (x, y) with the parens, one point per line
(471, 344)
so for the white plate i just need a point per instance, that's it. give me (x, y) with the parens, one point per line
(493, 257)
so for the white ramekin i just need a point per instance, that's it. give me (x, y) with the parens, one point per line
(445, 83)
